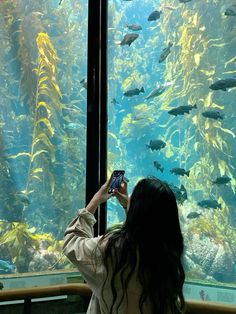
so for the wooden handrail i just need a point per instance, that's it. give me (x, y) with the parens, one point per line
(192, 306)
(205, 307)
(45, 291)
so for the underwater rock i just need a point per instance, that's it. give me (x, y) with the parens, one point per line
(215, 259)
(42, 262)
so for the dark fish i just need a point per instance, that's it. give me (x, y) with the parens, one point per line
(114, 101)
(21, 198)
(155, 15)
(180, 193)
(184, 1)
(222, 180)
(165, 52)
(181, 110)
(209, 204)
(158, 166)
(83, 82)
(60, 2)
(231, 11)
(128, 39)
(193, 215)
(134, 92)
(134, 27)
(224, 84)
(1, 285)
(213, 114)
(180, 171)
(156, 144)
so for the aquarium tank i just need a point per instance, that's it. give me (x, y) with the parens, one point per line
(171, 114)
(171, 86)
(43, 69)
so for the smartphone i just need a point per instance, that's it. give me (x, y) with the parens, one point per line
(117, 178)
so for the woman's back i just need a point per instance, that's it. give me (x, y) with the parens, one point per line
(135, 268)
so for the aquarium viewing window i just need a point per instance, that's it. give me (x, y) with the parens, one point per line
(43, 82)
(171, 114)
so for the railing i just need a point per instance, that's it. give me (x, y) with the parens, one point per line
(27, 294)
(205, 307)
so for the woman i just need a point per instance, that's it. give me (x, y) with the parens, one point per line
(135, 268)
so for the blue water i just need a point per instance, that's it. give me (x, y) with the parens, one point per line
(198, 58)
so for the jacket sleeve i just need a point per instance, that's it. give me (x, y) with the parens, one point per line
(83, 249)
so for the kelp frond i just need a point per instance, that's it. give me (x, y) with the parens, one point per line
(47, 104)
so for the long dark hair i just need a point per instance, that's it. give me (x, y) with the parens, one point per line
(150, 241)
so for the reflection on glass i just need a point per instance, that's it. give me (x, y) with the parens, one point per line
(171, 100)
(43, 61)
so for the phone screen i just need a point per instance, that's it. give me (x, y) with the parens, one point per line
(117, 178)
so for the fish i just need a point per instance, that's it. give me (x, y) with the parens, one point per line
(134, 27)
(1, 285)
(156, 144)
(128, 39)
(222, 180)
(158, 166)
(155, 15)
(231, 11)
(224, 84)
(134, 92)
(213, 114)
(165, 52)
(22, 198)
(184, 1)
(180, 193)
(168, 7)
(209, 204)
(181, 110)
(114, 101)
(193, 215)
(180, 171)
(72, 126)
(160, 88)
(83, 82)
(60, 2)
(7, 267)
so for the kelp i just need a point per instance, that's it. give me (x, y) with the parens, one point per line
(44, 112)
(203, 57)
(18, 237)
(19, 243)
(47, 104)
(45, 159)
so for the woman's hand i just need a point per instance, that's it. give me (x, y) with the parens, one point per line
(122, 195)
(100, 197)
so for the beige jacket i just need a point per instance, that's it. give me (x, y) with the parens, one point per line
(82, 249)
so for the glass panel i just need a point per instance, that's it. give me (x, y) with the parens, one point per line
(171, 102)
(42, 130)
